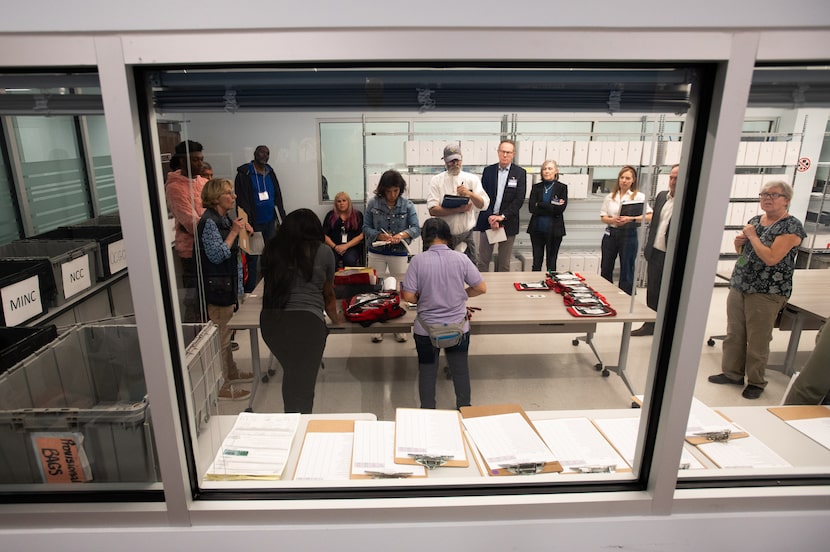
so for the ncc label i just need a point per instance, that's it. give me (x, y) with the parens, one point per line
(76, 276)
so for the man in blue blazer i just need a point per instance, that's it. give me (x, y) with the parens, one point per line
(506, 184)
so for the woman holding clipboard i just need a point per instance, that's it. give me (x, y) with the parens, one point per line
(622, 210)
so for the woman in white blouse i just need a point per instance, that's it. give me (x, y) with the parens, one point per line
(622, 211)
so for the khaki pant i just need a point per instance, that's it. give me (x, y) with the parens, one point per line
(750, 318)
(221, 316)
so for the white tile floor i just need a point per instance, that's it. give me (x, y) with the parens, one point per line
(539, 372)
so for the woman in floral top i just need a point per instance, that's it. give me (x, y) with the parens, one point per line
(761, 283)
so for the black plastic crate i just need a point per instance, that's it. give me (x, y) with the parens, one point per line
(19, 343)
(59, 253)
(110, 241)
(19, 305)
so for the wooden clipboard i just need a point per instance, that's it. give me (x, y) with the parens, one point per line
(454, 463)
(353, 475)
(800, 412)
(702, 440)
(494, 410)
(324, 426)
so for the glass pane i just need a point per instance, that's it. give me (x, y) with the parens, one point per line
(101, 165)
(767, 305)
(526, 349)
(53, 171)
(9, 226)
(72, 388)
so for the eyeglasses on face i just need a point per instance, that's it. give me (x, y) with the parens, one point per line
(770, 195)
(505, 152)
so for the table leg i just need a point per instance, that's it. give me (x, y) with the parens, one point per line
(792, 346)
(255, 366)
(625, 341)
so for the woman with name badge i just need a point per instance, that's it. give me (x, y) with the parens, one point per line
(548, 201)
(343, 226)
(623, 210)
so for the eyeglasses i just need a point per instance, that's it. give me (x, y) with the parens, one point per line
(506, 152)
(770, 195)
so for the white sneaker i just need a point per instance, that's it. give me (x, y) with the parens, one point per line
(377, 338)
(401, 338)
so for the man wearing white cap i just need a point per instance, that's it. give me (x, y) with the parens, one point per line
(462, 218)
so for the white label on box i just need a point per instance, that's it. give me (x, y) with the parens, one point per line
(540, 149)
(425, 156)
(76, 276)
(117, 253)
(412, 152)
(566, 152)
(793, 152)
(607, 155)
(635, 154)
(594, 153)
(621, 153)
(580, 157)
(21, 301)
(525, 153)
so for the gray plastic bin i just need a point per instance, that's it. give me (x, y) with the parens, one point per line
(90, 383)
(58, 253)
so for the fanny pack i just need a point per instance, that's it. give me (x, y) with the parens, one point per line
(444, 335)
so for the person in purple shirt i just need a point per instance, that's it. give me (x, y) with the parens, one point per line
(440, 280)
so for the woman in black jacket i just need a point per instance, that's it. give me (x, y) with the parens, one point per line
(548, 200)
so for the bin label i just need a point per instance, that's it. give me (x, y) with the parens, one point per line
(117, 253)
(21, 301)
(76, 276)
(61, 457)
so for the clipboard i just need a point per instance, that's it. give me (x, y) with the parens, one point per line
(493, 410)
(380, 474)
(454, 201)
(451, 462)
(252, 244)
(633, 209)
(800, 412)
(703, 439)
(323, 426)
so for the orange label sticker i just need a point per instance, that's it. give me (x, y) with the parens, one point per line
(62, 458)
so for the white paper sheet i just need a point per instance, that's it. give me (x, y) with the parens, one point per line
(703, 419)
(748, 452)
(373, 450)
(430, 432)
(507, 439)
(325, 457)
(257, 447)
(496, 236)
(817, 429)
(576, 443)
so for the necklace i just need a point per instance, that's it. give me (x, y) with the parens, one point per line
(548, 187)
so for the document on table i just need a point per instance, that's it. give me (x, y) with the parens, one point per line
(703, 419)
(505, 440)
(577, 443)
(743, 453)
(257, 447)
(373, 453)
(817, 429)
(433, 433)
(325, 457)
(622, 433)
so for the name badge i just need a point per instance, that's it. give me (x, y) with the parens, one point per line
(263, 196)
(512, 183)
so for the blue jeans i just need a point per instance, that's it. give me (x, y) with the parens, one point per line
(428, 370)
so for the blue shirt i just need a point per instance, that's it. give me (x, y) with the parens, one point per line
(263, 183)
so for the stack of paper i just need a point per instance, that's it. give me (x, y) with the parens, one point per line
(256, 448)
(423, 436)
(579, 446)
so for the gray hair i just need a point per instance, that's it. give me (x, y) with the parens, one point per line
(786, 188)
